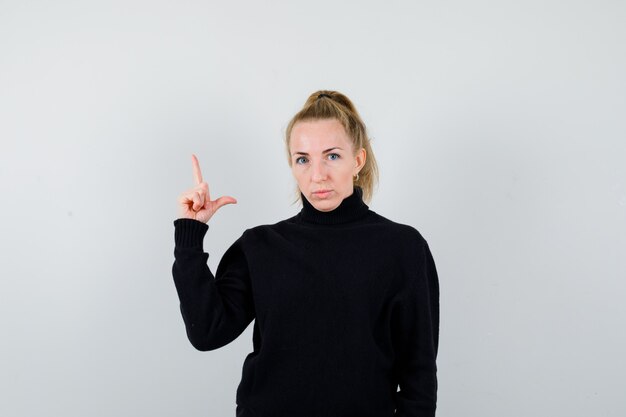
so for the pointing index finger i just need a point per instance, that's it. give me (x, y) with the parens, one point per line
(196, 169)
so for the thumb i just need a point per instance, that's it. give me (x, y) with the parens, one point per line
(222, 201)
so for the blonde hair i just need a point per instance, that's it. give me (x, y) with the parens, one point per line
(328, 104)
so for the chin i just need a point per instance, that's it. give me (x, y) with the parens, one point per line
(327, 205)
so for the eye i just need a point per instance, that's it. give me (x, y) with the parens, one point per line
(302, 157)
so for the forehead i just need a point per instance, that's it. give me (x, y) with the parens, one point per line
(318, 134)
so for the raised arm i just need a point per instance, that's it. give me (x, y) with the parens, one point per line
(216, 308)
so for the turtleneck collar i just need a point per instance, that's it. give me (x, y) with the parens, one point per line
(350, 209)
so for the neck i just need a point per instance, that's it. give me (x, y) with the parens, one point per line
(349, 210)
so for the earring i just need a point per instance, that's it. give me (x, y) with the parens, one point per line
(357, 176)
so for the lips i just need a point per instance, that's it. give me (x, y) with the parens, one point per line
(320, 191)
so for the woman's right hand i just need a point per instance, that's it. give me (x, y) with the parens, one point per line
(196, 203)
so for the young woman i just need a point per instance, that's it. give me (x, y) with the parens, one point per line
(345, 301)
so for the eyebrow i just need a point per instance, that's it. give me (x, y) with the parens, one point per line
(327, 150)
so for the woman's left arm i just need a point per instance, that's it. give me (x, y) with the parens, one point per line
(416, 323)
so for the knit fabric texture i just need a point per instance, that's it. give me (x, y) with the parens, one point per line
(345, 305)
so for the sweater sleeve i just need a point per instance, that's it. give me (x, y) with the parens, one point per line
(216, 309)
(416, 333)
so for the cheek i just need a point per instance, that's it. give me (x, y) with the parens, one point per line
(347, 168)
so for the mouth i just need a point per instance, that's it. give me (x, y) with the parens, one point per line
(322, 193)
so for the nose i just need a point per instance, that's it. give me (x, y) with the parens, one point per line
(318, 171)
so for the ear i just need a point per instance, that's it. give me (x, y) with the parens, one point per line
(360, 158)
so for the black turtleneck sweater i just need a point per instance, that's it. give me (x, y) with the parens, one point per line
(346, 304)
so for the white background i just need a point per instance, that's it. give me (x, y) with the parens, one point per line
(499, 128)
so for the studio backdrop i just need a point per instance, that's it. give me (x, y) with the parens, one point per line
(498, 127)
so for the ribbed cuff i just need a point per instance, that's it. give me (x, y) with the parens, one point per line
(189, 232)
